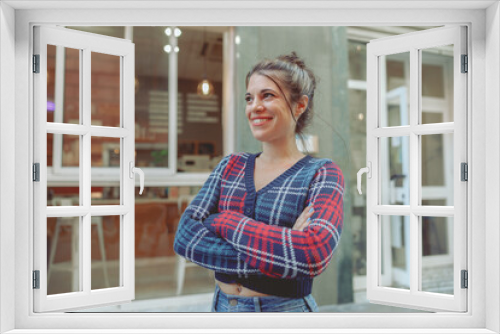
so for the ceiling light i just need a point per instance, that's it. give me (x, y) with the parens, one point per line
(168, 31)
(176, 49)
(177, 32)
(167, 48)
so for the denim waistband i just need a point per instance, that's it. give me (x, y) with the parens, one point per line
(232, 303)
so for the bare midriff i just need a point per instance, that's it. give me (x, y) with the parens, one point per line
(238, 290)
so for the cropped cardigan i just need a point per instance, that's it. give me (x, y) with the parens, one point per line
(246, 236)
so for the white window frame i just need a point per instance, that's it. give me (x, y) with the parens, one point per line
(378, 210)
(483, 101)
(84, 296)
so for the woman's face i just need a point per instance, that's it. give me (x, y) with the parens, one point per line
(267, 110)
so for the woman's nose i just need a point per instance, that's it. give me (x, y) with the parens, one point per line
(258, 106)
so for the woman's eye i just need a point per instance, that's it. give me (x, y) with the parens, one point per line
(268, 94)
(248, 98)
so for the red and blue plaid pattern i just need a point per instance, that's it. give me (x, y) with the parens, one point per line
(232, 229)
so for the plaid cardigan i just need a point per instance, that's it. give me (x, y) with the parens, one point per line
(246, 236)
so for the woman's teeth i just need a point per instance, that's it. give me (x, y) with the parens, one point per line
(260, 120)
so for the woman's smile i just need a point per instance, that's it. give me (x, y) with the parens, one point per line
(259, 121)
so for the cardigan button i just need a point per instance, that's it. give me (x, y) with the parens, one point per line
(248, 211)
(233, 302)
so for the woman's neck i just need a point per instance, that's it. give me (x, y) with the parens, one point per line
(279, 153)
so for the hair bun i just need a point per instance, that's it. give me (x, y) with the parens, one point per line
(292, 58)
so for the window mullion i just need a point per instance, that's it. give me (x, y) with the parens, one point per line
(172, 105)
(415, 82)
(85, 161)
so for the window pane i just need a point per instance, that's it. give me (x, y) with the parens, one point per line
(105, 241)
(63, 260)
(394, 93)
(106, 178)
(437, 83)
(395, 168)
(357, 60)
(151, 96)
(63, 84)
(437, 254)
(200, 123)
(437, 167)
(63, 149)
(395, 252)
(105, 89)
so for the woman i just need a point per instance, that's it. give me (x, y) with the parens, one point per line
(268, 223)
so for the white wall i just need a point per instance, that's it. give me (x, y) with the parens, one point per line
(492, 162)
(7, 160)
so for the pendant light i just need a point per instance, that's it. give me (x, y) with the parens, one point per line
(205, 87)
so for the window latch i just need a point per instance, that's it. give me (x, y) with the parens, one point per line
(368, 171)
(134, 170)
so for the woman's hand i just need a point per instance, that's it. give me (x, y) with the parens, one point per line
(304, 219)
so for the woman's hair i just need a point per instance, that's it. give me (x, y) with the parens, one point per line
(290, 72)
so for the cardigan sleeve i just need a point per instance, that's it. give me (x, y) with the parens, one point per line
(198, 244)
(281, 252)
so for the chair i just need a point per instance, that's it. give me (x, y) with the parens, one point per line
(182, 263)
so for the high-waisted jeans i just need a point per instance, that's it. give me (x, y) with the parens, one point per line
(231, 303)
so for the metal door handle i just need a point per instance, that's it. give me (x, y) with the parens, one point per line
(367, 170)
(134, 170)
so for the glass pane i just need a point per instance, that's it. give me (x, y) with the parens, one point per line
(437, 167)
(395, 170)
(437, 83)
(63, 260)
(437, 253)
(70, 150)
(105, 89)
(394, 90)
(105, 181)
(395, 252)
(63, 84)
(69, 156)
(200, 120)
(105, 241)
(431, 117)
(151, 98)
(357, 60)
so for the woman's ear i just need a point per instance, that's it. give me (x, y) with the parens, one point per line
(302, 105)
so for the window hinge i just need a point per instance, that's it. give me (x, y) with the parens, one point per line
(36, 172)
(464, 171)
(465, 64)
(465, 279)
(36, 63)
(36, 279)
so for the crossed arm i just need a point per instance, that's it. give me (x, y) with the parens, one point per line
(230, 242)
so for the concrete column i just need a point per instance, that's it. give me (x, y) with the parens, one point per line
(324, 50)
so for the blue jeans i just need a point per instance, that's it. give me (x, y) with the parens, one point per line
(232, 303)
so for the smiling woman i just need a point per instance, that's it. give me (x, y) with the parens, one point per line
(270, 221)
